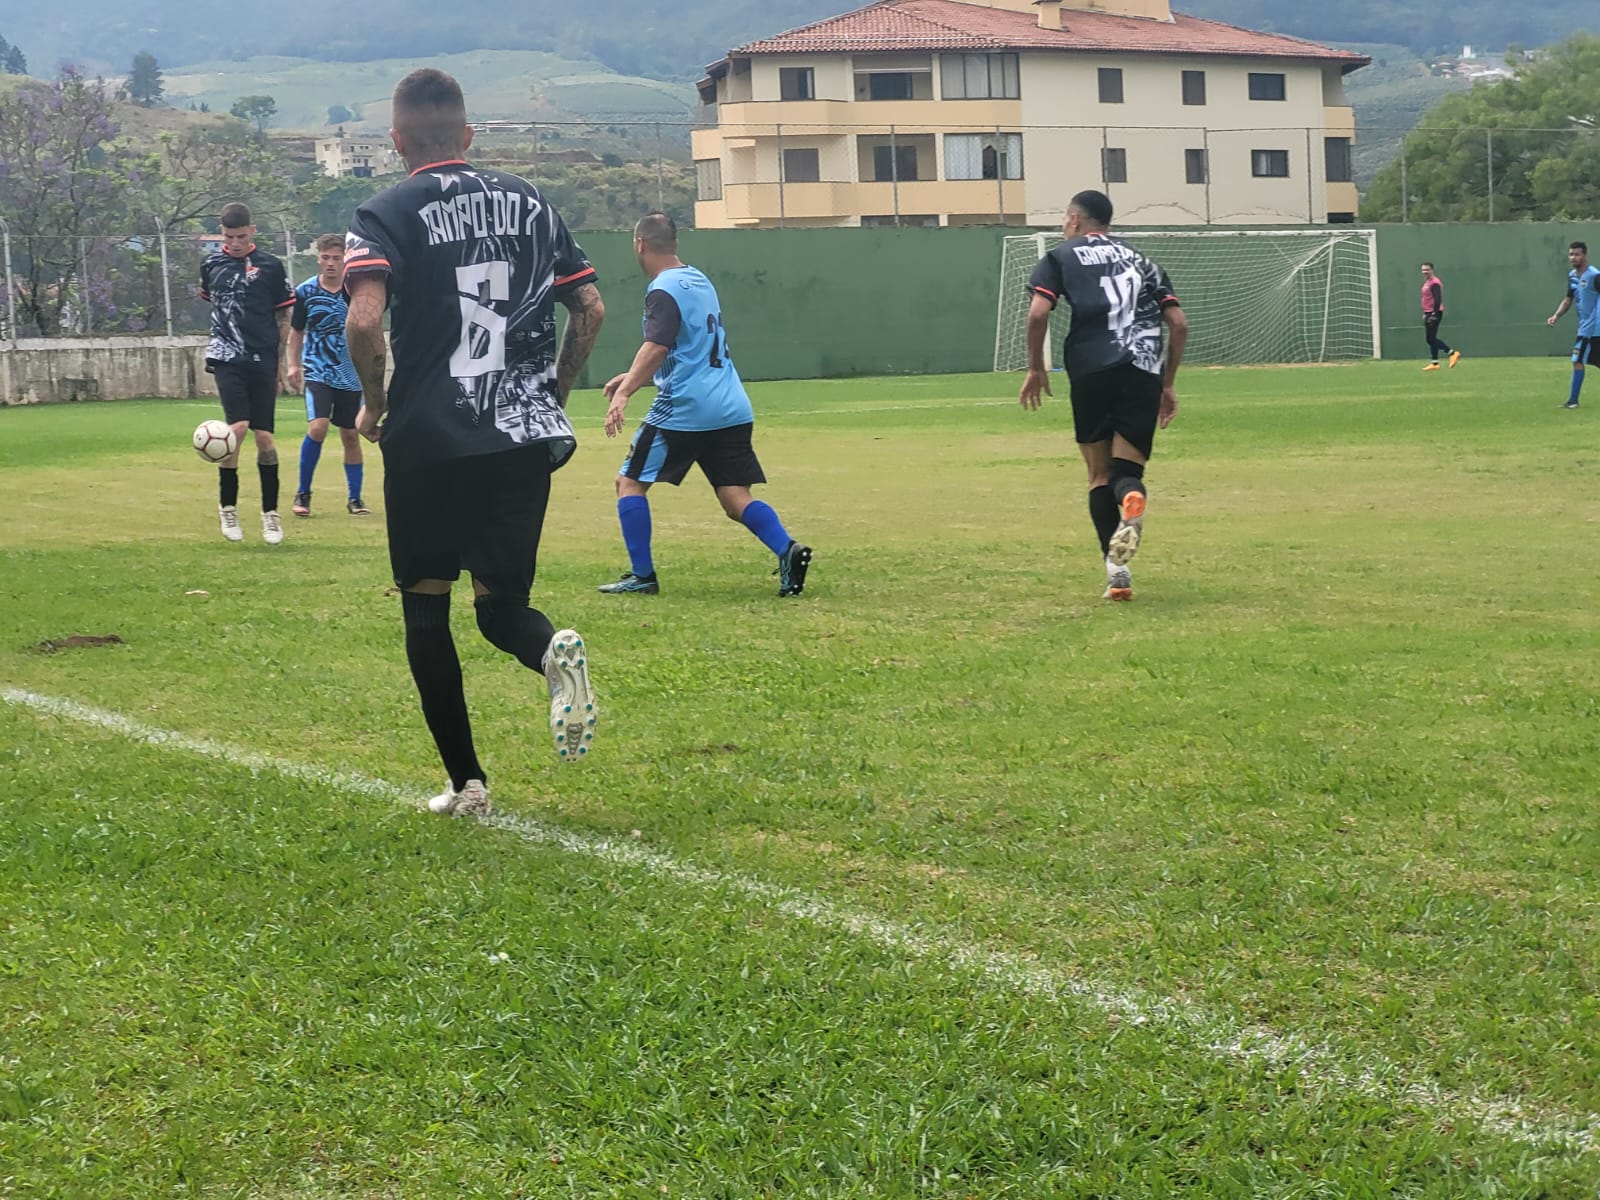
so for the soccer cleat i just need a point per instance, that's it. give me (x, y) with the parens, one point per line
(228, 515)
(793, 564)
(471, 801)
(645, 585)
(302, 504)
(1119, 582)
(1125, 541)
(1570, 404)
(271, 528)
(356, 507)
(1455, 357)
(573, 711)
(1433, 366)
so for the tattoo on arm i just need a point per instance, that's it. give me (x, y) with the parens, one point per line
(364, 338)
(586, 312)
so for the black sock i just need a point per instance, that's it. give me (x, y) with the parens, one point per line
(269, 485)
(510, 625)
(228, 486)
(1126, 476)
(431, 651)
(1103, 512)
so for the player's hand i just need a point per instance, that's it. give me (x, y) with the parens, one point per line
(611, 387)
(1036, 382)
(617, 413)
(1169, 407)
(1550, 321)
(297, 381)
(367, 423)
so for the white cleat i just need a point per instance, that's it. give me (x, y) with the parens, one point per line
(1125, 541)
(573, 711)
(1119, 582)
(271, 528)
(228, 517)
(471, 801)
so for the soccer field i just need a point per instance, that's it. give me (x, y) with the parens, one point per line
(946, 879)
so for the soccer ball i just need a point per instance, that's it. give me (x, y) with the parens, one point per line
(215, 440)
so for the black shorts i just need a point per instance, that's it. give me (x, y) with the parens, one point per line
(249, 393)
(325, 402)
(1584, 352)
(483, 515)
(665, 456)
(1121, 401)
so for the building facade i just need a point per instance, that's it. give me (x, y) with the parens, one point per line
(957, 112)
(360, 156)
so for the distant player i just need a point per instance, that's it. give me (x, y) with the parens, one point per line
(250, 302)
(1121, 390)
(1433, 317)
(701, 414)
(472, 263)
(319, 365)
(1583, 290)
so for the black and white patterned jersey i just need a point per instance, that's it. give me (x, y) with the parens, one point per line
(476, 260)
(1116, 296)
(245, 294)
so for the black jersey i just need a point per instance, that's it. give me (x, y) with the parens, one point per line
(1116, 295)
(245, 295)
(476, 260)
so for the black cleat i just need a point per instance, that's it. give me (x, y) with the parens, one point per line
(793, 564)
(645, 584)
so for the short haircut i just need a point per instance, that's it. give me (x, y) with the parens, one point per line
(1429, 265)
(236, 216)
(1094, 205)
(658, 232)
(1584, 246)
(330, 241)
(430, 112)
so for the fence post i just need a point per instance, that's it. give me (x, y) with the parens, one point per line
(11, 287)
(88, 304)
(166, 278)
(894, 173)
(782, 206)
(1311, 182)
(1205, 166)
(999, 172)
(1489, 164)
(661, 189)
(1405, 187)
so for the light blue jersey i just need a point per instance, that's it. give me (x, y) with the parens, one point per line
(697, 387)
(1584, 289)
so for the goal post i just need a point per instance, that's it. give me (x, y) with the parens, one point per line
(1251, 295)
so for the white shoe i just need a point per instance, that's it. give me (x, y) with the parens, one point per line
(228, 516)
(573, 711)
(1119, 582)
(1125, 541)
(271, 528)
(471, 801)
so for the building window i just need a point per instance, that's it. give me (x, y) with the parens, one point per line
(708, 172)
(890, 85)
(1194, 87)
(797, 83)
(1269, 164)
(890, 162)
(983, 156)
(1337, 151)
(1195, 166)
(1110, 85)
(905, 221)
(1114, 164)
(802, 166)
(1341, 218)
(979, 77)
(1266, 85)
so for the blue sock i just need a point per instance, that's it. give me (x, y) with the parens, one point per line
(761, 520)
(1577, 385)
(353, 473)
(310, 452)
(634, 513)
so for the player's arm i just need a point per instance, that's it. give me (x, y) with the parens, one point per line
(586, 312)
(1037, 380)
(1436, 290)
(1177, 323)
(283, 350)
(1561, 309)
(363, 335)
(297, 344)
(645, 365)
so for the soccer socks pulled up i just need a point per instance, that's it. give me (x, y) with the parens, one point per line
(1104, 513)
(310, 454)
(1126, 476)
(1577, 385)
(269, 484)
(436, 670)
(510, 625)
(633, 513)
(353, 476)
(762, 520)
(228, 486)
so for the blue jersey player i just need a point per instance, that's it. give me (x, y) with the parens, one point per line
(701, 414)
(1583, 292)
(320, 365)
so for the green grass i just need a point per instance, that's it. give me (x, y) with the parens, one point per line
(944, 880)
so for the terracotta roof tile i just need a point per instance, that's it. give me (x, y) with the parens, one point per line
(910, 25)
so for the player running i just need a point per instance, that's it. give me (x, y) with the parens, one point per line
(472, 262)
(250, 300)
(1583, 290)
(1121, 390)
(1433, 317)
(701, 414)
(320, 366)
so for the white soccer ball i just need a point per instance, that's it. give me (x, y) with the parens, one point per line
(215, 440)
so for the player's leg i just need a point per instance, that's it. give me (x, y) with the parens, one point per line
(424, 523)
(508, 507)
(346, 407)
(234, 394)
(1093, 429)
(1583, 353)
(1135, 409)
(728, 458)
(647, 459)
(319, 406)
(1430, 326)
(263, 420)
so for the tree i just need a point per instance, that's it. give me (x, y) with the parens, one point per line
(259, 109)
(188, 175)
(11, 60)
(144, 81)
(338, 114)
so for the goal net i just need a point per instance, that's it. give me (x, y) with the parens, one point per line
(1252, 296)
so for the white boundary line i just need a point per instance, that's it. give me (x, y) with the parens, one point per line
(1333, 1071)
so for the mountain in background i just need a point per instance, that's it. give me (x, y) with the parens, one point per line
(661, 39)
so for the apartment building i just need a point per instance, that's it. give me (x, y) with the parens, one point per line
(958, 112)
(360, 155)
